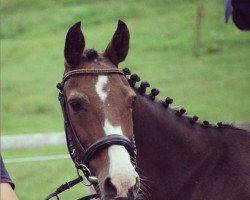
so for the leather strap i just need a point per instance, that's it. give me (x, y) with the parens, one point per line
(91, 71)
(105, 142)
(64, 187)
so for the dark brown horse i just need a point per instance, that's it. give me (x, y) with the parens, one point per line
(178, 157)
(183, 159)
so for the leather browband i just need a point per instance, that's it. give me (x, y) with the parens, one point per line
(91, 71)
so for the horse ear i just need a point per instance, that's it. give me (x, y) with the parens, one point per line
(117, 49)
(74, 45)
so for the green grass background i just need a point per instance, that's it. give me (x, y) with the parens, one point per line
(215, 85)
(36, 180)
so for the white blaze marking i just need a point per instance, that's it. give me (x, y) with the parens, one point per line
(121, 172)
(101, 82)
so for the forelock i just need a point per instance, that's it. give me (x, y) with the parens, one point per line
(91, 54)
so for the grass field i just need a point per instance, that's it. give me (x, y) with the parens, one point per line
(215, 85)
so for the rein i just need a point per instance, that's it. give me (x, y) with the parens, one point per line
(81, 159)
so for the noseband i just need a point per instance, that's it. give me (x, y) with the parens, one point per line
(82, 157)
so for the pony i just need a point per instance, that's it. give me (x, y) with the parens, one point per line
(178, 157)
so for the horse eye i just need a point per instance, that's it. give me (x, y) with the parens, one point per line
(75, 105)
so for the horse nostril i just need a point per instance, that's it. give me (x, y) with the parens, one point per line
(133, 191)
(137, 184)
(109, 188)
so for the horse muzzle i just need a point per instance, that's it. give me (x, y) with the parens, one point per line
(110, 191)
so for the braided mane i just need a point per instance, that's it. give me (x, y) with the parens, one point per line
(142, 90)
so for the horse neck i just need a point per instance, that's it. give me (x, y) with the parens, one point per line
(168, 145)
(176, 155)
(158, 125)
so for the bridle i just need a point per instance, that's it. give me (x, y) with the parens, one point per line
(81, 156)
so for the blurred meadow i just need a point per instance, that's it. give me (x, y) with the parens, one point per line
(213, 84)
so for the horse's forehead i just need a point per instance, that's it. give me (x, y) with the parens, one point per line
(80, 85)
(93, 84)
(107, 88)
(100, 62)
